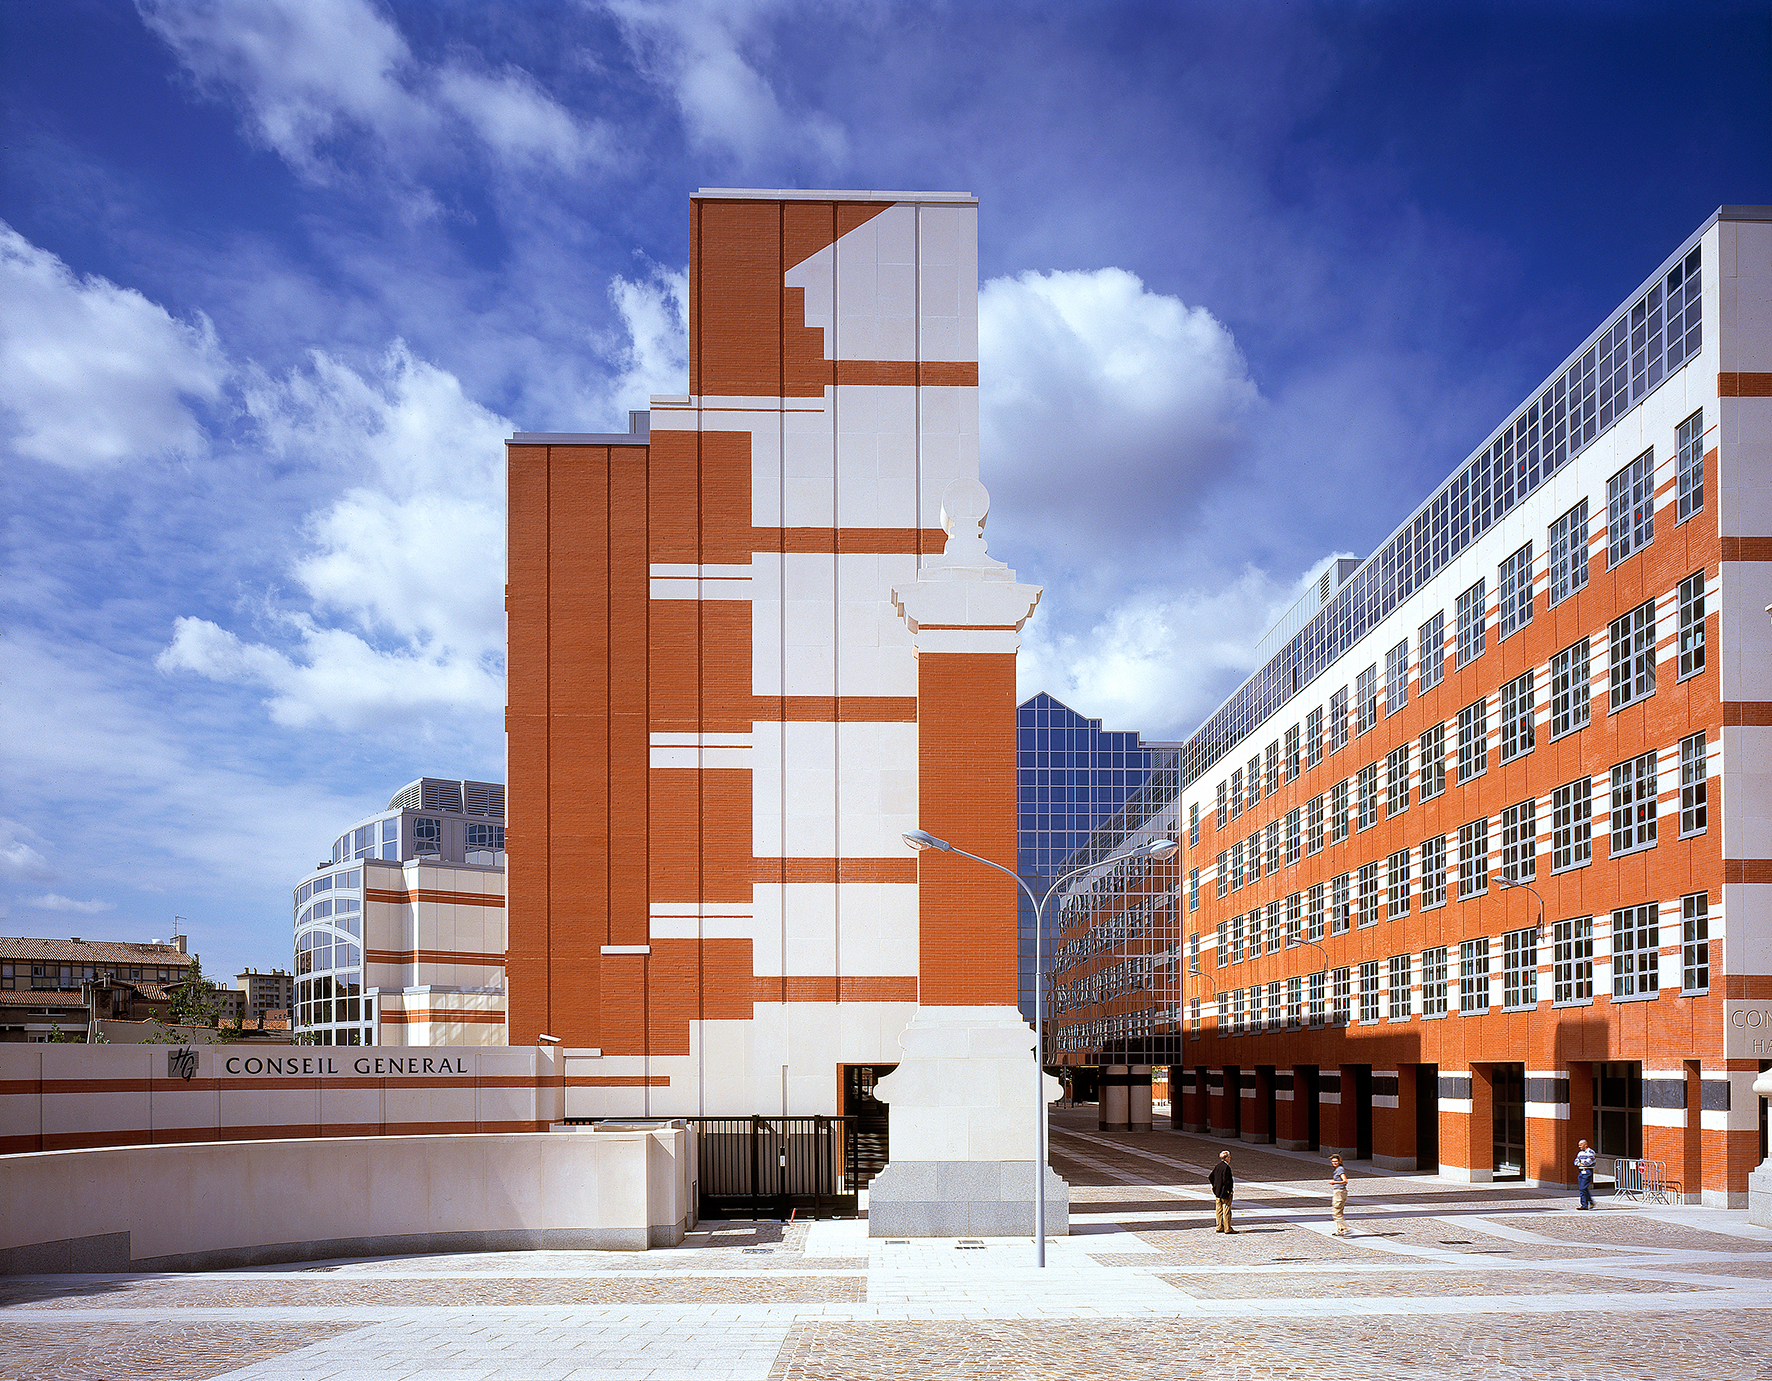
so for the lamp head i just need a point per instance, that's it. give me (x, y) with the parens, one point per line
(1157, 848)
(546, 1039)
(922, 839)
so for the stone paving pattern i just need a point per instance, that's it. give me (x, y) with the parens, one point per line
(1439, 1280)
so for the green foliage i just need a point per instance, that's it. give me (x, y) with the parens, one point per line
(194, 1002)
(56, 1034)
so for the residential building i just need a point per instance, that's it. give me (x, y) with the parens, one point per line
(265, 993)
(400, 937)
(1511, 884)
(1070, 777)
(47, 987)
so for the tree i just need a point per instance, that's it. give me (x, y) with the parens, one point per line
(194, 1002)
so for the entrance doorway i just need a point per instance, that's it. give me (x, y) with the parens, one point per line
(1304, 1089)
(1233, 1101)
(1508, 1095)
(1264, 1092)
(1618, 1109)
(1427, 1117)
(867, 1143)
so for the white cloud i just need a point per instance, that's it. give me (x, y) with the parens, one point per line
(311, 72)
(54, 901)
(18, 858)
(1159, 660)
(695, 49)
(96, 375)
(1104, 407)
(654, 358)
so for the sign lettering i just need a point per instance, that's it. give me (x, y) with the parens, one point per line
(313, 1066)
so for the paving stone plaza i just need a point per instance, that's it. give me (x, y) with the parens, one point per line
(1437, 1280)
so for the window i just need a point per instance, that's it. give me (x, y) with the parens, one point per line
(1472, 633)
(1473, 975)
(1193, 889)
(1433, 762)
(1636, 951)
(1294, 918)
(1396, 678)
(1313, 913)
(1433, 982)
(1338, 720)
(1237, 794)
(1692, 625)
(1568, 553)
(1519, 848)
(1254, 780)
(1294, 1001)
(1193, 1010)
(1572, 960)
(1396, 869)
(427, 835)
(1294, 830)
(1473, 859)
(1516, 591)
(1369, 990)
(1396, 781)
(1431, 639)
(1690, 464)
(1694, 789)
(1273, 847)
(1273, 767)
(1630, 508)
(1570, 672)
(1223, 950)
(1313, 737)
(1338, 809)
(1572, 825)
(1433, 872)
(1255, 857)
(1632, 644)
(486, 836)
(1237, 866)
(1292, 754)
(1237, 924)
(1222, 1007)
(1473, 741)
(1276, 922)
(1273, 1005)
(1369, 894)
(1239, 1012)
(1344, 996)
(1366, 700)
(1367, 797)
(1341, 904)
(1633, 804)
(1399, 987)
(1518, 736)
(1193, 825)
(1318, 1004)
(1695, 942)
(1223, 814)
(1224, 873)
(1313, 825)
(1193, 952)
(1519, 969)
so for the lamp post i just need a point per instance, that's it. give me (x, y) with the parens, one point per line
(1156, 849)
(1504, 881)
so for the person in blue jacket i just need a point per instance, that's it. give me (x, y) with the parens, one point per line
(1584, 1173)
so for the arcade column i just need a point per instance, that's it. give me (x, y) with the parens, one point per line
(962, 1098)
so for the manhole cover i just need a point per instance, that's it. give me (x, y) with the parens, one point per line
(1454, 1242)
(759, 1251)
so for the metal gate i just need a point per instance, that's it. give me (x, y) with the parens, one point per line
(768, 1167)
(1645, 1181)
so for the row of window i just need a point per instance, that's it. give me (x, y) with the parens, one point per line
(1465, 977)
(12, 975)
(1630, 674)
(1633, 823)
(1641, 347)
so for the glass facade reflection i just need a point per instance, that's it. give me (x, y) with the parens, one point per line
(1071, 777)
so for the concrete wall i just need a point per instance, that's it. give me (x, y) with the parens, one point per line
(225, 1204)
(65, 1097)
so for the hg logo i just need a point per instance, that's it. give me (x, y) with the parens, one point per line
(181, 1064)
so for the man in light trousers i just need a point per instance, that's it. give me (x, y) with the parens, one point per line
(1338, 1194)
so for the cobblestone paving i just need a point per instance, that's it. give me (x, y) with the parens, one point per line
(131, 1351)
(1405, 1284)
(356, 1293)
(1707, 1346)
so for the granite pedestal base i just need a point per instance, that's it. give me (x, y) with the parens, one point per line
(964, 1198)
(1759, 1196)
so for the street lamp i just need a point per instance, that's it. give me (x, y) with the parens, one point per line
(1505, 881)
(1155, 849)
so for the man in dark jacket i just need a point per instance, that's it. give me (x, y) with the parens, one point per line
(1223, 1182)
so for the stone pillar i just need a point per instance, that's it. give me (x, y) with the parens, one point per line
(962, 1100)
(1759, 1183)
(1337, 1133)
(1253, 1127)
(1224, 1099)
(1467, 1126)
(1138, 1098)
(1393, 1118)
(1112, 1115)
(1190, 1114)
(1292, 1130)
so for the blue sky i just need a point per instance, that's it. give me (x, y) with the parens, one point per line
(276, 277)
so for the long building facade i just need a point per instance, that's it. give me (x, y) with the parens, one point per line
(748, 653)
(1479, 862)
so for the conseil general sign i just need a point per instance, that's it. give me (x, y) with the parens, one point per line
(328, 1066)
(1747, 1030)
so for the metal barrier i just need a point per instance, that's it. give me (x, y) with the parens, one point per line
(1643, 1181)
(768, 1167)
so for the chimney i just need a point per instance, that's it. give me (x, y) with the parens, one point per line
(181, 939)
